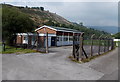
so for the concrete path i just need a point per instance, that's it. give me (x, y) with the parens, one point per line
(57, 66)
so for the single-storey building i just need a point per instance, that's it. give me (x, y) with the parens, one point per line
(57, 36)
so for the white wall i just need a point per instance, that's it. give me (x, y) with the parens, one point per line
(116, 39)
(26, 39)
(49, 41)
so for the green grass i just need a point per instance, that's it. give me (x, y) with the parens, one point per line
(95, 42)
(117, 43)
(0, 46)
(10, 50)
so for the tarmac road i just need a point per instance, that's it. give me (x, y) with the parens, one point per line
(57, 66)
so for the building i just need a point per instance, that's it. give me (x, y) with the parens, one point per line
(57, 36)
(117, 42)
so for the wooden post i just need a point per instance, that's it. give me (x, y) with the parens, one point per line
(91, 53)
(74, 45)
(47, 42)
(81, 46)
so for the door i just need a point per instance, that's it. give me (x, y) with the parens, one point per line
(53, 41)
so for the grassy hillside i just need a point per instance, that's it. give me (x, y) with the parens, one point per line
(43, 17)
(117, 35)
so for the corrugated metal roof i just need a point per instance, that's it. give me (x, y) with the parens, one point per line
(65, 29)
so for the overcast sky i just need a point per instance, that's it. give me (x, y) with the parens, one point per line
(90, 13)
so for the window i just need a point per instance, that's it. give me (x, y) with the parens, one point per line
(33, 38)
(57, 38)
(70, 38)
(24, 38)
(65, 38)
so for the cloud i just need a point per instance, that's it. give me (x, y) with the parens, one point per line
(59, 0)
(90, 13)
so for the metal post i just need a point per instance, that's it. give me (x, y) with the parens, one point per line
(112, 45)
(74, 45)
(91, 54)
(62, 38)
(99, 44)
(47, 42)
(105, 43)
(37, 40)
(108, 45)
(3, 45)
(28, 40)
(16, 42)
(77, 47)
(21, 40)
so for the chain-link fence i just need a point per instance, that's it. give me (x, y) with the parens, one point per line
(85, 48)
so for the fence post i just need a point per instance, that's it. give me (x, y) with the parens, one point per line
(81, 46)
(47, 42)
(3, 45)
(74, 45)
(99, 44)
(77, 47)
(16, 42)
(108, 45)
(91, 53)
(112, 45)
(37, 40)
(105, 43)
(28, 40)
(21, 41)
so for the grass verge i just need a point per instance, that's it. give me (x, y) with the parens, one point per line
(90, 58)
(10, 50)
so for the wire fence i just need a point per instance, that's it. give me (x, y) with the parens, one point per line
(91, 46)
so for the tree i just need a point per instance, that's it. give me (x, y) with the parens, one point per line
(81, 23)
(26, 6)
(42, 8)
(117, 35)
(49, 23)
(14, 21)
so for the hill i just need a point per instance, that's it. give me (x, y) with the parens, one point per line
(40, 17)
(109, 29)
(117, 35)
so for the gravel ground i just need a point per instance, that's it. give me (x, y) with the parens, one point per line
(57, 66)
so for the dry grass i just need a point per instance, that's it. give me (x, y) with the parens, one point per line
(90, 58)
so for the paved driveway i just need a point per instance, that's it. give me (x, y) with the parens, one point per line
(56, 66)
